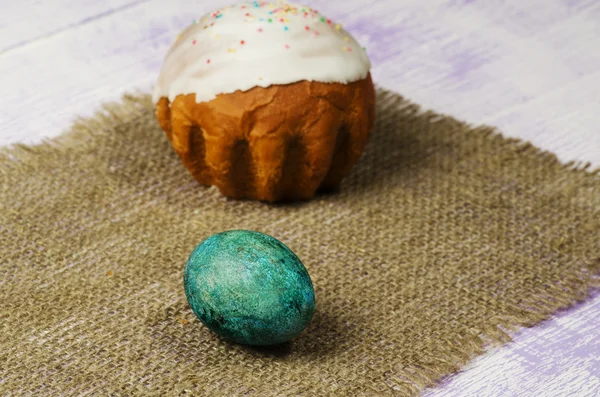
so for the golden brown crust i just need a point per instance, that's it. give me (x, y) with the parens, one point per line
(283, 142)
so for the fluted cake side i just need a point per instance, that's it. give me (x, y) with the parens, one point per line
(283, 142)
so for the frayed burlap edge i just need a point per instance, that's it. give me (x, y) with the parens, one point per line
(411, 380)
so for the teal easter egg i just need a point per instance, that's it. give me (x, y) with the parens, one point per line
(249, 288)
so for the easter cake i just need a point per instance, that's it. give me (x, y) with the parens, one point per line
(267, 101)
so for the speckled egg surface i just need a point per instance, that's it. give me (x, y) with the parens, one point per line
(249, 288)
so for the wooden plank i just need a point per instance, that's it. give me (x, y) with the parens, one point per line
(73, 72)
(22, 22)
(556, 358)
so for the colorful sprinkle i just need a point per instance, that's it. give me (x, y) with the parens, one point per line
(279, 13)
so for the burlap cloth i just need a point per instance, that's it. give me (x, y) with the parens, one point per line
(443, 238)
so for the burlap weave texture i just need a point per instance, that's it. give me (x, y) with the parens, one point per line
(443, 238)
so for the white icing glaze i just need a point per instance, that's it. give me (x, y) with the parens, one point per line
(258, 44)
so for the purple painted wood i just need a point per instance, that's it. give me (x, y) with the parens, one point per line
(531, 68)
(557, 358)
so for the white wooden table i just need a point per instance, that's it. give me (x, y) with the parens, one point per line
(532, 68)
